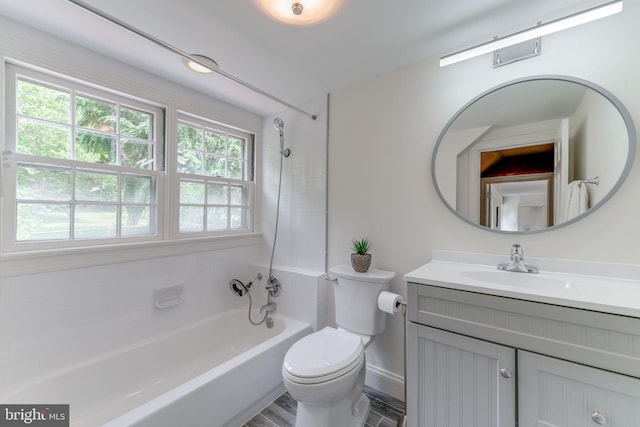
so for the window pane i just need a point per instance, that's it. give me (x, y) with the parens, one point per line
(235, 169)
(189, 161)
(214, 143)
(239, 218)
(43, 102)
(96, 187)
(236, 147)
(217, 194)
(191, 218)
(95, 114)
(95, 148)
(136, 189)
(189, 137)
(40, 221)
(238, 193)
(192, 192)
(136, 221)
(215, 166)
(136, 155)
(216, 218)
(135, 123)
(42, 183)
(95, 221)
(44, 139)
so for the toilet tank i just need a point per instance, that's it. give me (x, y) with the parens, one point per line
(356, 299)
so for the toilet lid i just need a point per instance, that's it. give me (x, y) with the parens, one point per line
(323, 353)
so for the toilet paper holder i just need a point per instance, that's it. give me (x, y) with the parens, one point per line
(390, 303)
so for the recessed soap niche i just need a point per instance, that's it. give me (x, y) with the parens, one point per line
(168, 297)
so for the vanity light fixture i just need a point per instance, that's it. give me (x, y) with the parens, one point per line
(205, 65)
(540, 30)
(303, 12)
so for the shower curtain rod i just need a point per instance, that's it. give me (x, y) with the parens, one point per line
(186, 55)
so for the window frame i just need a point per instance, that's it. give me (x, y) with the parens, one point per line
(74, 87)
(248, 179)
(111, 77)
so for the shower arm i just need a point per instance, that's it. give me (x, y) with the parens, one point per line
(186, 55)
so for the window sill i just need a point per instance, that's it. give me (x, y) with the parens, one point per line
(62, 259)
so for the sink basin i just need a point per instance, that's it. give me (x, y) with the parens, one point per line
(521, 280)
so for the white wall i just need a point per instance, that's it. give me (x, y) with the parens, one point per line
(383, 132)
(302, 223)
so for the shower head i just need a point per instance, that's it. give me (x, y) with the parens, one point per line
(239, 288)
(278, 123)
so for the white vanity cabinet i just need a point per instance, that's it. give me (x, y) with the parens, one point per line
(507, 361)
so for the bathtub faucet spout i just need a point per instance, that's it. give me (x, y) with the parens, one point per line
(268, 308)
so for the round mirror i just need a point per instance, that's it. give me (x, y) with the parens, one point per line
(534, 154)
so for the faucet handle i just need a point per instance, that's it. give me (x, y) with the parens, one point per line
(516, 249)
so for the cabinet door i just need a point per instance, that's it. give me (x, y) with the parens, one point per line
(556, 393)
(457, 381)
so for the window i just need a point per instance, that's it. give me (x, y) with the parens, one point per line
(215, 175)
(88, 165)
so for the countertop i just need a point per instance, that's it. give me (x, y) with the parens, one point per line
(604, 287)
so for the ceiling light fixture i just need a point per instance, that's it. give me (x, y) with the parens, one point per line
(306, 12)
(540, 30)
(205, 65)
(297, 8)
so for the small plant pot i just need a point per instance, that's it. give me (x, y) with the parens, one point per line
(360, 263)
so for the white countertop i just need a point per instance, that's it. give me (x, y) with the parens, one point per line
(605, 287)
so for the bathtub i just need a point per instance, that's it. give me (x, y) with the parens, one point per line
(217, 372)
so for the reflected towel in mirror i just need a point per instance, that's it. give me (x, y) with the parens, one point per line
(577, 200)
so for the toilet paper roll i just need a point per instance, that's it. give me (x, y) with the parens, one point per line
(388, 302)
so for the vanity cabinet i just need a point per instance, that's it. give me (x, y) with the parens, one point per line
(511, 362)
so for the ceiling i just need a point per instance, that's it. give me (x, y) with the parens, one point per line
(364, 38)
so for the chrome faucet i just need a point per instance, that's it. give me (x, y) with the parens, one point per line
(517, 261)
(268, 308)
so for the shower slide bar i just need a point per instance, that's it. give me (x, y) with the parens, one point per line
(186, 55)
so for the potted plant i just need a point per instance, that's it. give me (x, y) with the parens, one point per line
(361, 258)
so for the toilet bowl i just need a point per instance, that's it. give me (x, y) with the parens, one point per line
(325, 371)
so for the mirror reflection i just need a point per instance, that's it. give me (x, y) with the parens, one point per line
(534, 154)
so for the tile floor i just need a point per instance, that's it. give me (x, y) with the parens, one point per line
(385, 411)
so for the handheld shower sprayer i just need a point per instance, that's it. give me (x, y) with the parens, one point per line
(239, 288)
(278, 123)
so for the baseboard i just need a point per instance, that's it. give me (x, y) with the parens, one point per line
(385, 381)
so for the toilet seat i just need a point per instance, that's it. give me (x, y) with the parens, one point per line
(323, 356)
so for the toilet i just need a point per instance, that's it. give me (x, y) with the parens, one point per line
(325, 371)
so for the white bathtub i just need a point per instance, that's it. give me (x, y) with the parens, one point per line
(217, 372)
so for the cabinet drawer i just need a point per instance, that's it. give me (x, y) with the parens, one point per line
(557, 393)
